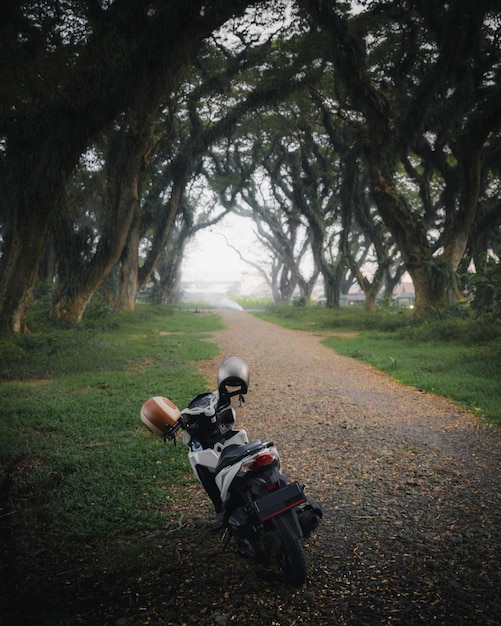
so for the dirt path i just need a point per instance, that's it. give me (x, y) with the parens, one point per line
(409, 484)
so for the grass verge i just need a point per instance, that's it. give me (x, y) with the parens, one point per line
(77, 468)
(455, 357)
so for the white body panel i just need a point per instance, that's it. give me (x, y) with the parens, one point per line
(209, 457)
(225, 477)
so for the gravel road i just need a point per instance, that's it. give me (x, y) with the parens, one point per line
(409, 485)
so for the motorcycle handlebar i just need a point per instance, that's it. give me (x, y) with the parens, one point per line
(223, 403)
(171, 433)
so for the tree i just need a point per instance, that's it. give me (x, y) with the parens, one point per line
(379, 265)
(148, 166)
(199, 210)
(420, 79)
(80, 276)
(279, 229)
(67, 73)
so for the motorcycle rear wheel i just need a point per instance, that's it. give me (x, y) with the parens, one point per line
(292, 557)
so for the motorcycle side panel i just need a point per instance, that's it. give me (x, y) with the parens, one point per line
(210, 456)
(224, 478)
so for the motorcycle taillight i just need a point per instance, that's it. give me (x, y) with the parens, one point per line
(259, 461)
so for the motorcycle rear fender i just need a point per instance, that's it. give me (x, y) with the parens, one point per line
(291, 521)
(280, 502)
(224, 478)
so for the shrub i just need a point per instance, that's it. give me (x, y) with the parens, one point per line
(485, 287)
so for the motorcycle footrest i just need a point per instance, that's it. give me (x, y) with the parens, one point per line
(279, 501)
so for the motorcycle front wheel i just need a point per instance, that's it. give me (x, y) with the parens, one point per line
(291, 555)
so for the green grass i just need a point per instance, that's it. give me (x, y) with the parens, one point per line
(75, 457)
(455, 357)
(104, 345)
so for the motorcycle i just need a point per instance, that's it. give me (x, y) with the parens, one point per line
(266, 516)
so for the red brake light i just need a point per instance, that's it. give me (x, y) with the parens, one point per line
(261, 460)
(271, 487)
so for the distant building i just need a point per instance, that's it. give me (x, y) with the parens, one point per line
(404, 295)
(351, 299)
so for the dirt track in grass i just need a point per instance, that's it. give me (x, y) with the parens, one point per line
(409, 485)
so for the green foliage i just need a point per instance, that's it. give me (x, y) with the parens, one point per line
(440, 276)
(452, 355)
(73, 450)
(485, 287)
(253, 303)
(350, 318)
(196, 305)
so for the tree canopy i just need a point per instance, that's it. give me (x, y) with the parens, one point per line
(376, 130)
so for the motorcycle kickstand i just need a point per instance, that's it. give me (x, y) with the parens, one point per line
(225, 538)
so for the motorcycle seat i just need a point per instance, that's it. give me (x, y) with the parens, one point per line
(236, 452)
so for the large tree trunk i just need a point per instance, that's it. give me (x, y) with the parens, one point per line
(126, 159)
(306, 286)
(75, 294)
(371, 293)
(273, 281)
(128, 282)
(434, 276)
(433, 288)
(287, 284)
(21, 254)
(333, 278)
(33, 181)
(164, 228)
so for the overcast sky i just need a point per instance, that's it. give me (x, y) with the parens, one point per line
(208, 256)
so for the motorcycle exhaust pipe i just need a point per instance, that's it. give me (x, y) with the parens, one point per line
(312, 521)
(309, 521)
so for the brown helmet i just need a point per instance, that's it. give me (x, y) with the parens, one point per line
(159, 414)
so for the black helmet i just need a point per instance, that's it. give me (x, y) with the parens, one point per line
(233, 377)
